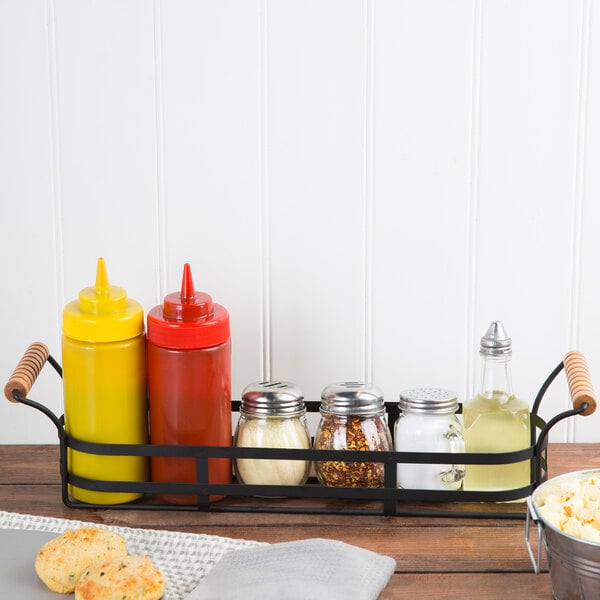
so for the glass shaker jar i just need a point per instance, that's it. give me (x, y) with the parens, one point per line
(272, 415)
(428, 423)
(352, 418)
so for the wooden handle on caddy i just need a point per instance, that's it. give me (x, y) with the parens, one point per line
(580, 382)
(27, 370)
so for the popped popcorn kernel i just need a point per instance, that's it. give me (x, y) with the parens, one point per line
(573, 506)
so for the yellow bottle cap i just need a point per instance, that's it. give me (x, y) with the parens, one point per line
(103, 313)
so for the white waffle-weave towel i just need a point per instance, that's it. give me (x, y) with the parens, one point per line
(302, 570)
(183, 558)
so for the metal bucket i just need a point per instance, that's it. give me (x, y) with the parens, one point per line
(574, 563)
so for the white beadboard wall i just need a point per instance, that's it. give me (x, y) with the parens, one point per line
(364, 184)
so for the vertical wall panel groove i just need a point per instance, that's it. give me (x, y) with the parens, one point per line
(472, 206)
(265, 232)
(586, 430)
(56, 175)
(159, 137)
(578, 187)
(369, 133)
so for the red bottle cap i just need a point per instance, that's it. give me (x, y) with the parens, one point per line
(188, 319)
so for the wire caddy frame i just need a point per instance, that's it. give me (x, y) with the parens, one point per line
(388, 500)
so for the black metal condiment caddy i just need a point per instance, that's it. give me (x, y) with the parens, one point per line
(388, 500)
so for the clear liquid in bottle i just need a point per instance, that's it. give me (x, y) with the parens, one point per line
(496, 423)
(495, 420)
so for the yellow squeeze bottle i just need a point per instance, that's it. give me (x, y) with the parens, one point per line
(104, 382)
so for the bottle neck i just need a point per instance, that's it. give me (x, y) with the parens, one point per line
(496, 379)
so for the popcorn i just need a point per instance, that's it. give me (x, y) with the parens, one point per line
(572, 505)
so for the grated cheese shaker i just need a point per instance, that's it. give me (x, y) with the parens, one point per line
(272, 415)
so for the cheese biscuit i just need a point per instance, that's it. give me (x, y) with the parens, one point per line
(60, 561)
(132, 577)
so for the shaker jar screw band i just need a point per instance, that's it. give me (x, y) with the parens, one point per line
(352, 418)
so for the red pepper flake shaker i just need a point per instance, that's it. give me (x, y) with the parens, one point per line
(189, 384)
(352, 418)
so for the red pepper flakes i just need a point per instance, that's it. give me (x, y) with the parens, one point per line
(351, 433)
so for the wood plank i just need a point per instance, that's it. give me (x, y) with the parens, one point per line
(458, 586)
(415, 549)
(453, 557)
(29, 483)
(565, 458)
(29, 464)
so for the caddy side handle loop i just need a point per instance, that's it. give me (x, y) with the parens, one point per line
(26, 371)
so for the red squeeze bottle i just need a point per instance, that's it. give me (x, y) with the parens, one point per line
(189, 384)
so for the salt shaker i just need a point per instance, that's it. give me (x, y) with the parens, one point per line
(428, 423)
(272, 415)
(352, 418)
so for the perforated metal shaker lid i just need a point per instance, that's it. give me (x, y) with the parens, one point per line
(428, 400)
(496, 342)
(273, 398)
(352, 398)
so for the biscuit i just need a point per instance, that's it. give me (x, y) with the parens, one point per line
(132, 577)
(60, 561)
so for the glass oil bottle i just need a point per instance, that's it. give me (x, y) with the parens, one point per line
(495, 420)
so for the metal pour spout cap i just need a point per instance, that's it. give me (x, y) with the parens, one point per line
(496, 341)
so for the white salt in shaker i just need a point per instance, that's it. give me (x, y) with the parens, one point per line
(428, 423)
(272, 415)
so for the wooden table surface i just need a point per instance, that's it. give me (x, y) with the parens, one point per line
(449, 557)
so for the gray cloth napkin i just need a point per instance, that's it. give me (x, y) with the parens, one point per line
(302, 570)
